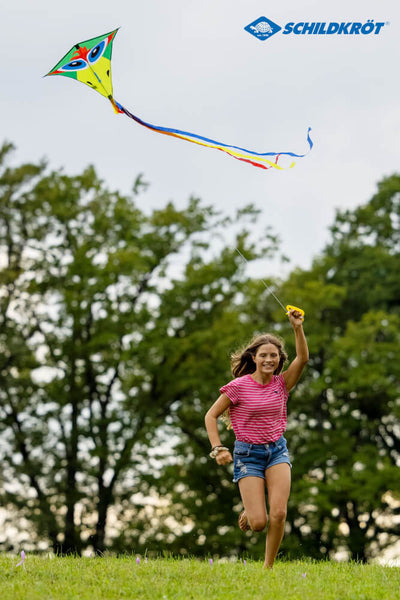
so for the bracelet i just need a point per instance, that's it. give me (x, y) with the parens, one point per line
(216, 450)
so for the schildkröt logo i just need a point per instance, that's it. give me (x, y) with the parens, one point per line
(264, 28)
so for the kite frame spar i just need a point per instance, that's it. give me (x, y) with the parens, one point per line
(81, 58)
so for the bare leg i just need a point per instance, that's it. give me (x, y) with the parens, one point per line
(278, 484)
(252, 491)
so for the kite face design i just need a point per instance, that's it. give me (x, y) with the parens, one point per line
(90, 63)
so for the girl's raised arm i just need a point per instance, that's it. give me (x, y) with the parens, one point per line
(295, 369)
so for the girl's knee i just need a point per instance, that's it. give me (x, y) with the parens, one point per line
(258, 523)
(278, 515)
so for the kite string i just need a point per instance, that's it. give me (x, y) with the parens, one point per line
(262, 281)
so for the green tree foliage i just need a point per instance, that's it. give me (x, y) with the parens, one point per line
(116, 329)
(344, 415)
(108, 315)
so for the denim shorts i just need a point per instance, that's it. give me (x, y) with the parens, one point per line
(252, 460)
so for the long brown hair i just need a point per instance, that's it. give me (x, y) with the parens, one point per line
(242, 362)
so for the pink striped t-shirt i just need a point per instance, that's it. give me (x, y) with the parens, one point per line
(258, 412)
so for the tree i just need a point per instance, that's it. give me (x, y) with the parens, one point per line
(96, 342)
(345, 415)
(343, 427)
(115, 335)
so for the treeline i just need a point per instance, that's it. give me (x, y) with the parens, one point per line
(116, 327)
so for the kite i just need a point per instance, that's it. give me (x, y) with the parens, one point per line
(90, 63)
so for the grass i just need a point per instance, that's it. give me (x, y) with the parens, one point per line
(174, 579)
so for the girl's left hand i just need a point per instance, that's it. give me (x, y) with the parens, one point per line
(224, 457)
(296, 318)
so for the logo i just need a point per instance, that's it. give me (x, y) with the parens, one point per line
(263, 28)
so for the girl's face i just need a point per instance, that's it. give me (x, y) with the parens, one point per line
(267, 359)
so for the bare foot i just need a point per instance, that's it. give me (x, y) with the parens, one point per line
(243, 522)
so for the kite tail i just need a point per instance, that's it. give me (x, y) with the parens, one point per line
(114, 105)
(257, 159)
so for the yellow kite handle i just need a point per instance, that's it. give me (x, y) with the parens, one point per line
(289, 307)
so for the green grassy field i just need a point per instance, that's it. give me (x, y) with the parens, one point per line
(172, 579)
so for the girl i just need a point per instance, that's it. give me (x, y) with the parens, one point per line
(256, 400)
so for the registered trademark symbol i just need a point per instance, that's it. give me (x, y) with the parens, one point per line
(387, 23)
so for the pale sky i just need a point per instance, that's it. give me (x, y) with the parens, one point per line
(191, 65)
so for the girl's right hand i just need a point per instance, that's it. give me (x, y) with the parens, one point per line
(224, 457)
(296, 318)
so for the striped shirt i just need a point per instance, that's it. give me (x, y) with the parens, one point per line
(258, 411)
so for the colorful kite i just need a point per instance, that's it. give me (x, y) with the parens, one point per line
(90, 63)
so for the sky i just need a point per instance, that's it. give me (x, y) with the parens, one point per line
(192, 66)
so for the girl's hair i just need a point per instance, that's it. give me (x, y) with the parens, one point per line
(242, 362)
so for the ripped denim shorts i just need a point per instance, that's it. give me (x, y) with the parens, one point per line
(252, 460)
